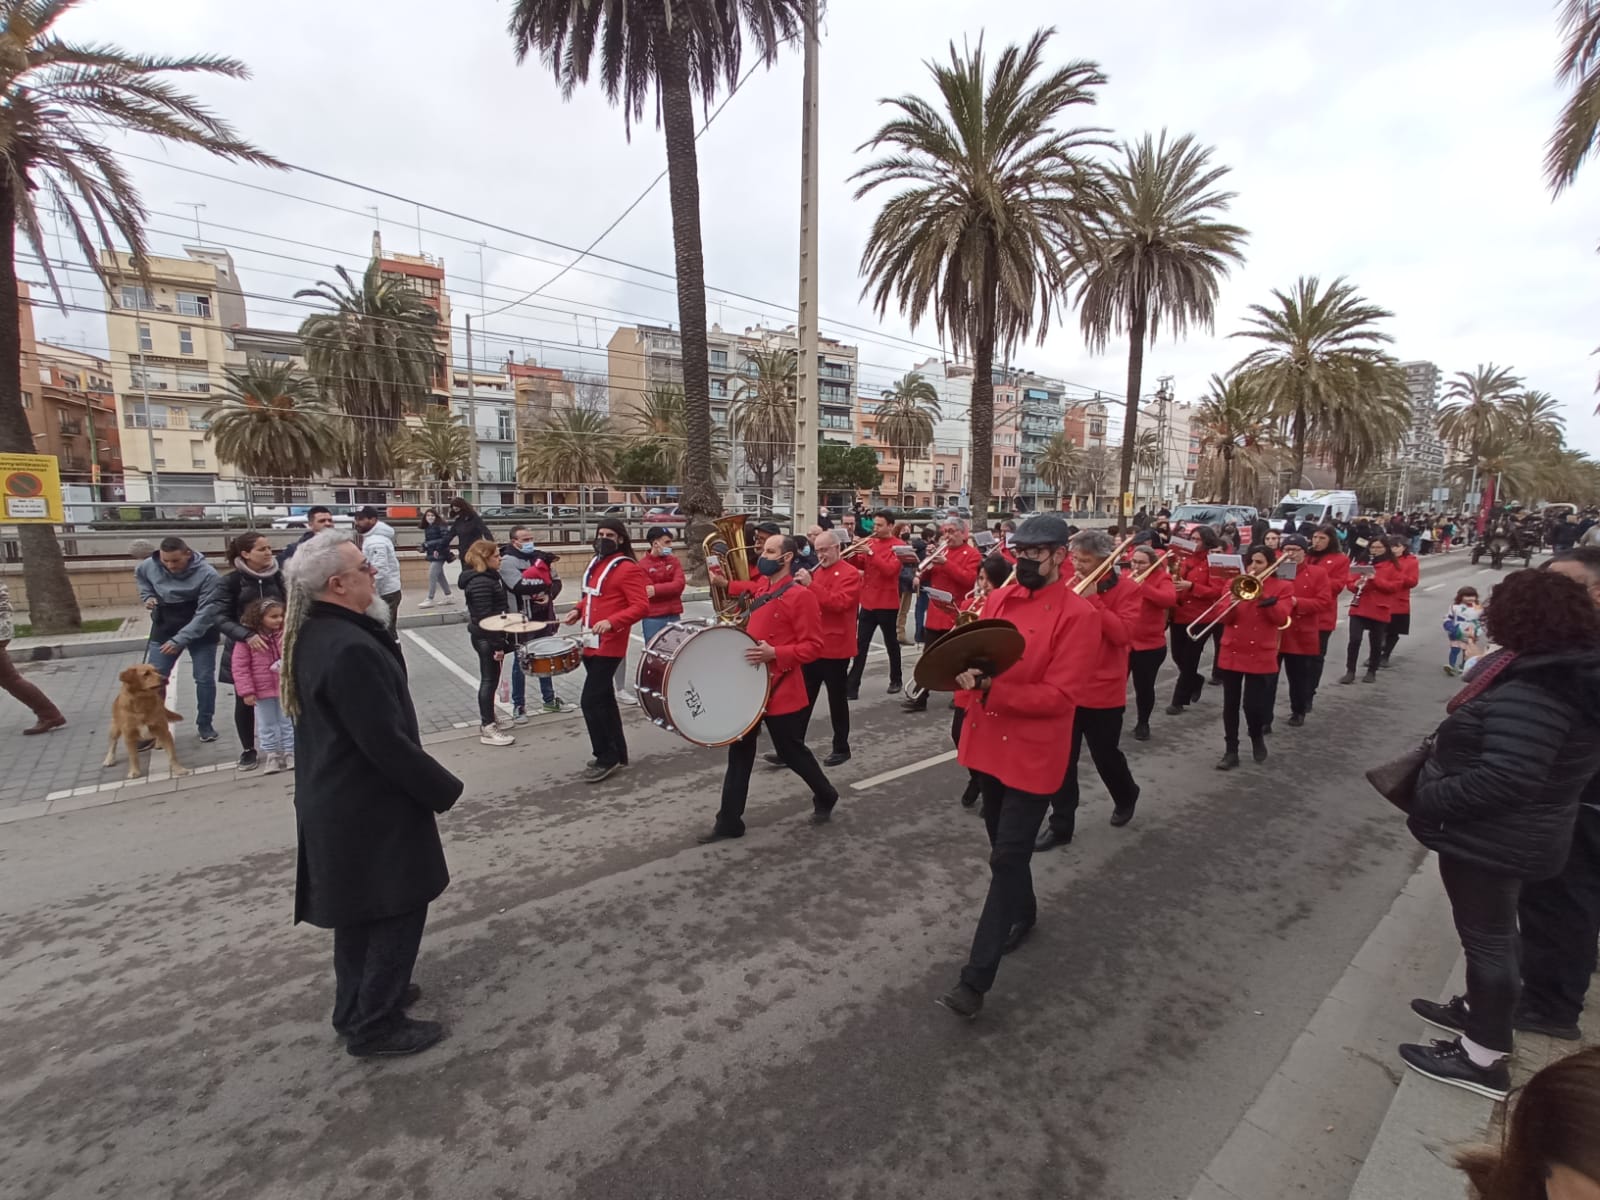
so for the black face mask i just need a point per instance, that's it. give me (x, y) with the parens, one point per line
(1030, 574)
(604, 546)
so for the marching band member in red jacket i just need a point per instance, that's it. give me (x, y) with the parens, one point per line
(1196, 590)
(1400, 616)
(1335, 564)
(1157, 598)
(996, 572)
(1016, 737)
(611, 602)
(1248, 659)
(1300, 648)
(664, 583)
(786, 623)
(954, 570)
(837, 587)
(1370, 611)
(1102, 698)
(879, 565)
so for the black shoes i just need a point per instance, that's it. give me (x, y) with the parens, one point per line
(1532, 1022)
(962, 1000)
(247, 761)
(1017, 935)
(402, 1036)
(1450, 1016)
(717, 835)
(822, 809)
(1348, 677)
(1384, 661)
(920, 704)
(1141, 732)
(1175, 710)
(1228, 761)
(1296, 720)
(1258, 749)
(837, 757)
(1370, 677)
(852, 694)
(1050, 839)
(971, 795)
(1448, 1063)
(1121, 816)
(596, 773)
(894, 686)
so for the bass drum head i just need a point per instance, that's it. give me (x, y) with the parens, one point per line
(713, 696)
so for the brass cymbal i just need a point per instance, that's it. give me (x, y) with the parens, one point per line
(513, 623)
(989, 646)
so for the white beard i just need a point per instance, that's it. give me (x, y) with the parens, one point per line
(378, 610)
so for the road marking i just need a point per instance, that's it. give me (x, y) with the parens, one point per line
(862, 785)
(1433, 587)
(449, 664)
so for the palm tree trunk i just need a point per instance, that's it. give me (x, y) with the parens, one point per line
(52, 604)
(900, 483)
(700, 499)
(981, 416)
(1227, 479)
(1138, 323)
(1299, 444)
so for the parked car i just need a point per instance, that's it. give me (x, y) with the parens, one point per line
(668, 517)
(515, 512)
(298, 521)
(626, 511)
(1187, 516)
(919, 516)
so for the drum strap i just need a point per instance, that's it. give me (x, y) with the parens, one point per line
(771, 596)
(592, 591)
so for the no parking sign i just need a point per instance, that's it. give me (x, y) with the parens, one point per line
(30, 486)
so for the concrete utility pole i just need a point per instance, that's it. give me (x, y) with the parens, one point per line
(153, 478)
(805, 425)
(472, 422)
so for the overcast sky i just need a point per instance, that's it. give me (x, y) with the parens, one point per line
(1396, 142)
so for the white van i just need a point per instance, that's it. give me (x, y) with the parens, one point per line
(1321, 506)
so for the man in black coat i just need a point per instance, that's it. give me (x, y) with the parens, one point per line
(370, 860)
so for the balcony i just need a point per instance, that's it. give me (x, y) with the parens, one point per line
(70, 427)
(833, 371)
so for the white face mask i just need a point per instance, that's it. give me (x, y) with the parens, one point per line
(664, 551)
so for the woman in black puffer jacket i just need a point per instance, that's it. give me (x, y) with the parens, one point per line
(1498, 799)
(485, 595)
(255, 576)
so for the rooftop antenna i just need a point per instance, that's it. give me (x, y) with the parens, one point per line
(199, 236)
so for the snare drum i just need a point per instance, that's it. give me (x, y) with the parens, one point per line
(693, 681)
(550, 656)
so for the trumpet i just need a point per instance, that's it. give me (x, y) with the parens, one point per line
(1242, 590)
(856, 547)
(944, 544)
(973, 605)
(1093, 578)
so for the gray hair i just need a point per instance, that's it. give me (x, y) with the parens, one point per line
(306, 576)
(141, 548)
(959, 522)
(1093, 541)
(827, 535)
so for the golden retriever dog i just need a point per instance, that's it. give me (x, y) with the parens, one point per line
(138, 712)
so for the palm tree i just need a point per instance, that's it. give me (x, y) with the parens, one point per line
(1148, 455)
(271, 424)
(373, 355)
(440, 449)
(1233, 427)
(994, 209)
(570, 446)
(1534, 418)
(1580, 66)
(61, 101)
(1095, 470)
(762, 415)
(1159, 257)
(1471, 415)
(658, 428)
(677, 48)
(1320, 352)
(1365, 432)
(1058, 465)
(906, 414)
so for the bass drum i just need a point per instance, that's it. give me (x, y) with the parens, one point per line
(693, 681)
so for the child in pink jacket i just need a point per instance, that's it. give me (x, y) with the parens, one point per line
(255, 677)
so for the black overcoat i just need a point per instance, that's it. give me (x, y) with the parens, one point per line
(365, 791)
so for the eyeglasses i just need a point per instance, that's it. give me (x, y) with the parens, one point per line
(1035, 553)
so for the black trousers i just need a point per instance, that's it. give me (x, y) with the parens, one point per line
(1560, 920)
(1102, 729)
(868, 622)
(488, 678)
(788, 733)
(601, 715)
(1484, 905)
(829, 673)
(1375, 632)
(244, 722)
(371, 968)
(1012, 819)
(1186, 652)
(1323, 637)
(1300, 672)
(1143, 665)
(1256, 694)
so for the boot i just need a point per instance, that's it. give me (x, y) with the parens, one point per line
(1141, 732)
(1348, 677)
(1258, 748)
(1229, 759)
(1371, 676)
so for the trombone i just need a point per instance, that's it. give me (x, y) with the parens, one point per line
(1164, 559)
(1093, 578)
(1242, 590)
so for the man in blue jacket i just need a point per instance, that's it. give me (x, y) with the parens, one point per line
(183, 593)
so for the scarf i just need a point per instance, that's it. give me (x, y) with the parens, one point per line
(1481, 676)
(239, 565)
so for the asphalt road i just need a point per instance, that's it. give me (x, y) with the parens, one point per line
(635, 1016)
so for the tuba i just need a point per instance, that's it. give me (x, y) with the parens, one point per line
(727, 546)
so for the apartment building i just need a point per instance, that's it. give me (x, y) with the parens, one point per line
(489, 409)
(424, 274)
(70, 405)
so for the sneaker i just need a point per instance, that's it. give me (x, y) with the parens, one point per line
(1141, 733)
(273, 765)
(424, 603)
(554, 706)
(1450, 1016)
(504, 723)
(627, 698)
(596, 773)
(963, 1000)
(247, 761)
(1348, 677)
(1296, 720)
(1228, 761)
(1371, 676)
(490, 735)
(403, 1036)
(288, 762)
(207, 734)
(519, 716)
(1448, 1063)
(1532, 1022)
(1175, 710)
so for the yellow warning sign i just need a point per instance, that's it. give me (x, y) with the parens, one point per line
(30, 487)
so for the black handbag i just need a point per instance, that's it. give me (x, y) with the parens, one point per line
(1396, 780)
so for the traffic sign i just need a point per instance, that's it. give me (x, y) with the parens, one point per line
(30, 485)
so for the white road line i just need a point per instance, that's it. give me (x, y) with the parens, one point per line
(449, 664)
(1433, 587)
(862, 785)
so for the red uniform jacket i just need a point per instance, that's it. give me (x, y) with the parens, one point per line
(838, 592)
(1376, 601)
(1312, 599)
(1021, 731)
(1119, 605)
(1157, 597)
(880, 573)
(1336, 567)
(1198, 598)
(1250, 632)
(955, 575)
(665, 574)
(621, 601)
(792, 625)
(1411, 573)
(755, 586)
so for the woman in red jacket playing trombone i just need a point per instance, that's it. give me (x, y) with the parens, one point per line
(1248, 659)
(1372, 607)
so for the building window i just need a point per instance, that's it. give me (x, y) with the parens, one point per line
(135, 297)
(1097, 428)
(185, 340)
(160, 462)
(145, 342)
(197, 460)
(27, 399)
(194, 304)
(508, 467)
(506, 432)
(718, 359)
